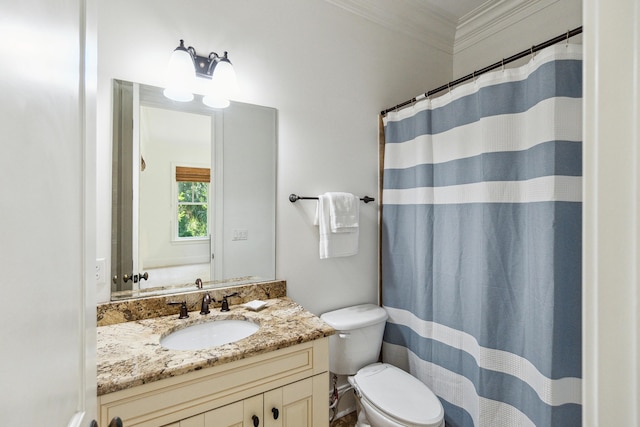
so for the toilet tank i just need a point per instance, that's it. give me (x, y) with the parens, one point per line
(358, 339)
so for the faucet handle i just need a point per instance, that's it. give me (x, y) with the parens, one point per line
(225, 303)
(183, 308)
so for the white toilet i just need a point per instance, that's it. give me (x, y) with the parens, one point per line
(387, 396)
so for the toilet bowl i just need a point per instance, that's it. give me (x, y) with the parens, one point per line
(386, 395)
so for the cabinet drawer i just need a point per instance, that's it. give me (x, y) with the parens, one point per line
(165, 401)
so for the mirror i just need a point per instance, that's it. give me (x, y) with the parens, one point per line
(193, 192)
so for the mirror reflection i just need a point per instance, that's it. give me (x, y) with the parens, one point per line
(193, 193)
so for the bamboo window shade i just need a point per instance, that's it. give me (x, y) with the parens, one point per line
(188, 174)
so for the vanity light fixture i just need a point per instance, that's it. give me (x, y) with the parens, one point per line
(185, 65)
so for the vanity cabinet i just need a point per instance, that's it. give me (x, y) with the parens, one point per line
(291, 383)
(288, 406)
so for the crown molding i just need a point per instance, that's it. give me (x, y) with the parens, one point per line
(432, 25)
(492, 17)
(413, 18)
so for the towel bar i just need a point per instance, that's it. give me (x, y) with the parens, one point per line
(294, 198)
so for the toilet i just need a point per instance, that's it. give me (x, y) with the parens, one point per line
(386, 395)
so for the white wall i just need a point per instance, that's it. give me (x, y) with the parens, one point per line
(328, 73)
(185, 142)
(248, 194)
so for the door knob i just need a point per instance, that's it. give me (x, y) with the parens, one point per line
(115, 422)
(256, 421)
(275, 412)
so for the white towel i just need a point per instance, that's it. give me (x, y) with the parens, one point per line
(333, 244)
(343, 211)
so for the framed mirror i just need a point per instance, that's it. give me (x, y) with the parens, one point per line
(193, 191)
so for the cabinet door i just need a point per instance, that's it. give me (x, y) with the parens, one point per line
(253, 413)
(297, 404)
(227, 416)
(195, 421)
(273, 408)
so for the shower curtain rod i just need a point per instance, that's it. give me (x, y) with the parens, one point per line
(491, 67)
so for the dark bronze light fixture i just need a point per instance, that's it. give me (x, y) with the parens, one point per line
(185, 65)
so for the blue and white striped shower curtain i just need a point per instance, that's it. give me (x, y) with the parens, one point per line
(481, 245)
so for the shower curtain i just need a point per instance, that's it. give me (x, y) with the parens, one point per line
(481, 244)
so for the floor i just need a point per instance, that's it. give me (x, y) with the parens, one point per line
(346, 421)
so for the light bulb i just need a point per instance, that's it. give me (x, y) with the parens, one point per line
(180, 75)
(214, 101)
(223, 81)
(224, 78)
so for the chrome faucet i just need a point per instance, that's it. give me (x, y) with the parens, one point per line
(206, 300)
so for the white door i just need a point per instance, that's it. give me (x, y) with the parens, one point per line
(47, 216)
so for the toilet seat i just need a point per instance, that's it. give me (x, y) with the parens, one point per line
(398, 395)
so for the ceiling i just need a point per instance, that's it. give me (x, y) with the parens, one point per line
(456, 8)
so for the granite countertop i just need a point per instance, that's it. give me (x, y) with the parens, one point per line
(129, 354)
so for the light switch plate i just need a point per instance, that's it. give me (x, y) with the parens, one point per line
(240, 234)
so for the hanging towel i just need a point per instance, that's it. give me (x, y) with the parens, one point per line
(333, 244)
(343, 212)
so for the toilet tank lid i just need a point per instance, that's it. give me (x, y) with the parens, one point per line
(357, 316)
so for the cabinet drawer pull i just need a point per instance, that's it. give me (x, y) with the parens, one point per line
(276, 413)
(256, 421)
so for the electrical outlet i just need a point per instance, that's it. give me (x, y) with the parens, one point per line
(100, 267)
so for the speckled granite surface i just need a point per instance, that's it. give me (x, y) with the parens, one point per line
(156, 306)
(129, 353)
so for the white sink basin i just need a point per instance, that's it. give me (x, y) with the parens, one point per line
(210, 334)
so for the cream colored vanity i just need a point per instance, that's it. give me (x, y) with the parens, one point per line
(292, 381)
(276, 377)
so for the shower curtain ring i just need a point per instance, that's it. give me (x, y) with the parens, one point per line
(502, 64)
(567, 40)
